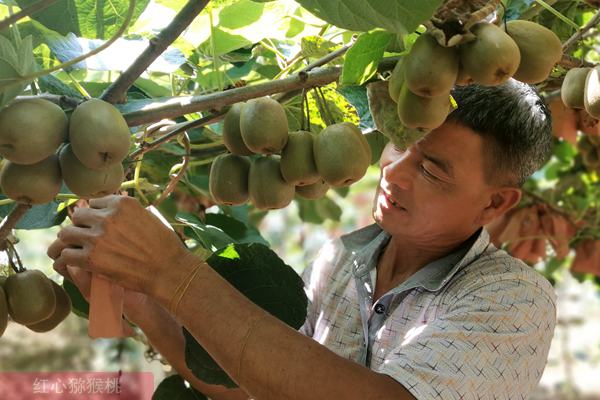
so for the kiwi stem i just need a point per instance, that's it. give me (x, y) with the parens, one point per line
(10, 221)
(177, 130)
(27, 11)
(14, 251)
(175, 179)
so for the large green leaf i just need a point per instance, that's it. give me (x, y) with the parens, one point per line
(94, 19)
(398, 16)
(362, 58)
(60, 16)
(174, 388)
(259, 274)
(38, 217)
(16, 61)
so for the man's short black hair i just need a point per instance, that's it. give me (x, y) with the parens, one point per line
(516, 126)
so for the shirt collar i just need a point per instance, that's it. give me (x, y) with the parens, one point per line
(431, 277)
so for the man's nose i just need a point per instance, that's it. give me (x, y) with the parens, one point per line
(401, 171)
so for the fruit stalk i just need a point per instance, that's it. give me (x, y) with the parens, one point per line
(156, 46)
(11, 220)
(177, 130)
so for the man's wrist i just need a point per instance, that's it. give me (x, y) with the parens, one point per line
(174, 282)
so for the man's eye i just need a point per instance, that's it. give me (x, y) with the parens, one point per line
(427, 173)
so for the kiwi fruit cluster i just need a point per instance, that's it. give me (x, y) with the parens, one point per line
(580, 90)
(31, 299)
(589, 147)
(268, 165)
(421, 82)
(43, 147)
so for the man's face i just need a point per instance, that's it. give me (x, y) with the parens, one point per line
(434, 191)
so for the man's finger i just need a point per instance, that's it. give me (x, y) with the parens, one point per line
(72, 256)
(55, 249)
(86, 217)
(103, 202)
(76, 236)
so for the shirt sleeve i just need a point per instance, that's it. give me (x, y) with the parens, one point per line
(492, 343)
(308, 328)
(316, 278)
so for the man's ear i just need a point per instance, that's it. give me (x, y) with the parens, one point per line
(501, 200)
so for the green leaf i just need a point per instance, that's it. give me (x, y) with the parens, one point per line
(174, 388)
(60, 16)
(357, 97)
(211, 237)
(361, 60)
(328, 209)
(514, 8)
(377, 142)
(307, 211)
(16, 61)
(316, 46)
(51, 84)
(79, 304)
(239, 231)
(38, 217)
(259, 274)
(398, 16)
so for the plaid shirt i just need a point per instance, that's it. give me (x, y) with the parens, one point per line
(476, 324)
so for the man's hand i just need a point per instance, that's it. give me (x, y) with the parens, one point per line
(119, 239)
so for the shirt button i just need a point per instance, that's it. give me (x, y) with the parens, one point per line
(379, 308)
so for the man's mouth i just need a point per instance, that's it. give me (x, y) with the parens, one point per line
(392, 201)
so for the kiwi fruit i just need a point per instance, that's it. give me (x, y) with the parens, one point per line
(298, 161)
(31, 184)
(61, 311)
(228, 179)
(3, 311)
(573, 87)
(492, 58)
(591, 93)
(463, 79)
(314, 191)
(425, 113)
(264, 126)
(266, 186)
(232, 136)
(31, 130)
(539, 47)
(98, 134)
(430, 70)
(86, 182)
(396, 80)
(30, 297)
(342, 154)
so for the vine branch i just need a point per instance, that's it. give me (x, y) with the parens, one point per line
(27, 11)
(177, 106)
(157, 45)
(579, 34)
(10, 221)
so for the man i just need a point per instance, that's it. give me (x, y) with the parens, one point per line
(417, 306)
